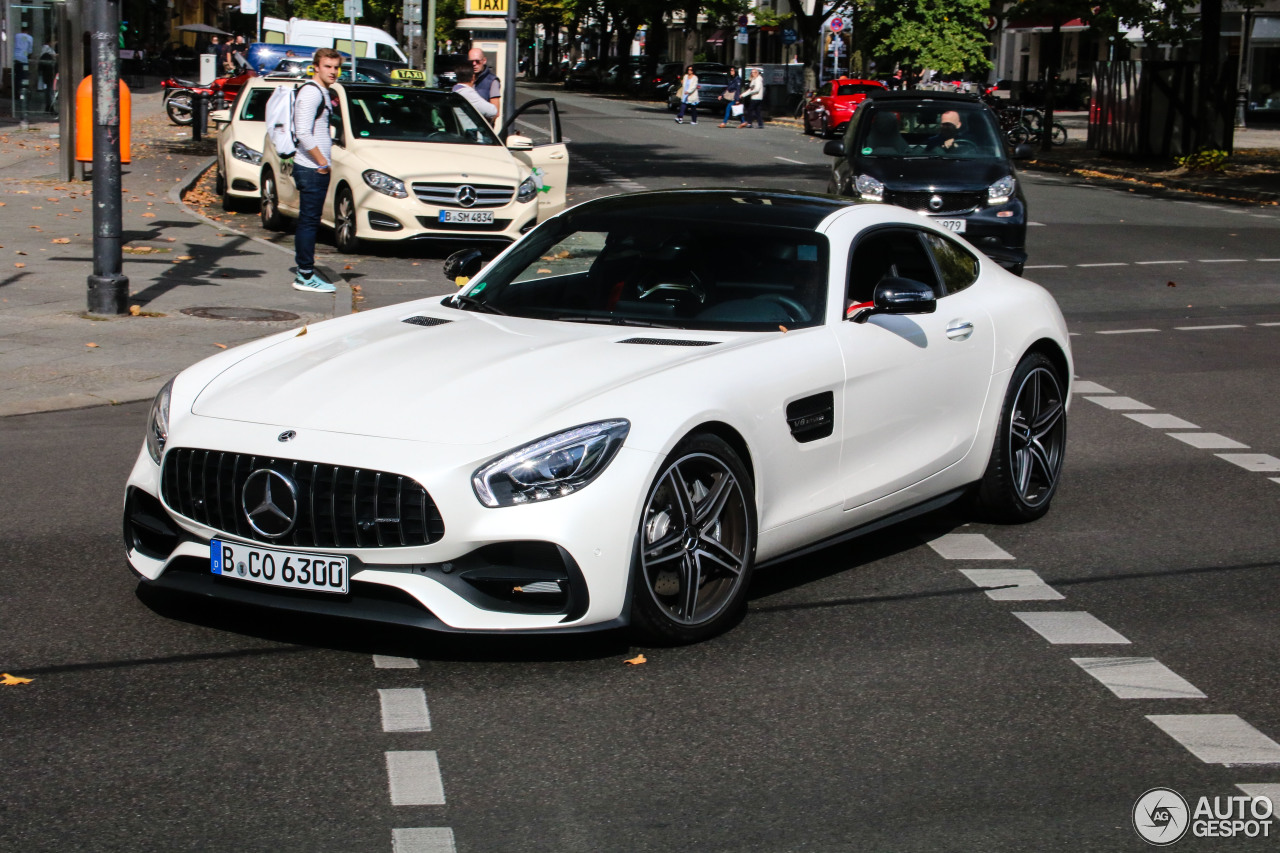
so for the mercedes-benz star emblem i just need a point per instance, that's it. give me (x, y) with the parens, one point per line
(467, 195)
(270, 502)
(287, 435)
(935, 202)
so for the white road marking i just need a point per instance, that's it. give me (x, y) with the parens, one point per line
(1045, 267)
(1269, 324)
(1219, 738)
(414, 777)
(390, 662)
(1268, 260)
(1208, 440)
(1268, 790)
(789, 160)
(1260, 462)
(1139, 678)
(968, 546)
(1161, 421)
(1274, 479)
(1012, 584)
(1117, 403)
(424, 839)
(1153, 263)
(1203, 328)
(1111, 264)
(1126, 331)
(1071, 627)
(1262, 215)
(1087, 387)
(404, 710)
(1035, 225)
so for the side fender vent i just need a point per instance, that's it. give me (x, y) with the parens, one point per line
(668, 342)
(812, 418)
(426, 321)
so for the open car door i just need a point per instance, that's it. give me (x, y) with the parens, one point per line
(533, 137)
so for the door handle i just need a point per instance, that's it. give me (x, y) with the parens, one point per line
(556, 157)
(959, 330)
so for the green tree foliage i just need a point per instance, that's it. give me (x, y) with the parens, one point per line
(945, 36)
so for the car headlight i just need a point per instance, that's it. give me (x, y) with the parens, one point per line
(550, 467)
(385, 184)
(528, 190)
(158, 422)
(240, 151)
(869, 188)
(1001, 191)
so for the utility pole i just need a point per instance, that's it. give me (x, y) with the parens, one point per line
(108, 286)
(512, 66)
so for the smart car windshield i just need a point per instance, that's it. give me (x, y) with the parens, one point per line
(416, 115)
(627, 269)
(944, 130)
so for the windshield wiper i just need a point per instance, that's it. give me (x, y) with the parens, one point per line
(612, 321)
(461, 301)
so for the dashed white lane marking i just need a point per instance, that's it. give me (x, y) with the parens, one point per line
(789, 160)
(1153, 263)
(1268, 790)
(1269, 324)
(968, 546)
(1139, 678)
(1260, 462)
(1012, 584)
(1202, 328)
(1126, 331)
(404, 709)
(1046, 267)
(1110, 264)
(1035, 225)
(1208, 440)
(1117, 403)
(390, 662)
(1274, 479)
(425, 839)
(1219, 738)
(1160, 421)
(1268, 260)
(414, 777)
(1223, 261)
(1072, 628)
(1084, 386)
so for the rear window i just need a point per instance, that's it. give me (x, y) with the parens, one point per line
(857, 89)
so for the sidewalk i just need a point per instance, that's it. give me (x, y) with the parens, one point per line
(52, 354)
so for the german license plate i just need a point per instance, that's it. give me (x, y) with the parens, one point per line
(955, 225)
(478, 217)
(289, 569)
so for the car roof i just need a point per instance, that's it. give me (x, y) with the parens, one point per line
(890, 95)
(730, 206)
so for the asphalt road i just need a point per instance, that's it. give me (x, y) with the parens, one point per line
(875, 697)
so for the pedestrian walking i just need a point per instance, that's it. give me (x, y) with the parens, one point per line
(487, 83)
(313, 108)
(753, 100)
(23, 44)
(688, 96)
(732, 96)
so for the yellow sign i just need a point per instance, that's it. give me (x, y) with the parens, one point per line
(408, 76)
(486, 7)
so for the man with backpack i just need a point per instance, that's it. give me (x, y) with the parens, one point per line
(313, 107)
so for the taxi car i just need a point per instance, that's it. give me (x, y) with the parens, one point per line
(422, 164)
(828, 110)
(241, 128)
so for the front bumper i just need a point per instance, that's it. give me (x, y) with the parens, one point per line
(382, 217)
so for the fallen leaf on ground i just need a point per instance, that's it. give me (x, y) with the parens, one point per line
(184, 257)
(19, 266)
(220, 346)
(10, 680)
(60, 240)
(347, 267)
(637, 660)
(135, 310)
(301, 332)
(92, 346)
(1173, 284)
(148, 216)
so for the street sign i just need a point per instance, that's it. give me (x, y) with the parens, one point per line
(789, 36)
(414, 30)
(353, 8)
(413, 12)
(836, 25)
(248, 7)
(486, 7)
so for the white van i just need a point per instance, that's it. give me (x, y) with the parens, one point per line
(370, 41)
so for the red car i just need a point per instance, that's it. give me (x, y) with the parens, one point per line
(828, 110)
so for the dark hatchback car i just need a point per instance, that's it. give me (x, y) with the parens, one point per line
(940, 154)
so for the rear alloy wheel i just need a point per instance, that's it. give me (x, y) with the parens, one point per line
(696, 545)
(344, 222)
(272, 219)
(1026, 462)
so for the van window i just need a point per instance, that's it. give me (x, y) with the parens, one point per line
(386, 51)
(272, 37)
(344, 45)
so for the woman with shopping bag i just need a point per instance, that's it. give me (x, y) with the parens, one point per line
(688, 96)
(732, 97)
(753, 99)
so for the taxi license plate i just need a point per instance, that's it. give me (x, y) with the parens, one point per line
(289, 569)
(479, 217)
(954, 225)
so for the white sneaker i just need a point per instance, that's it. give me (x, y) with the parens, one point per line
(679, 120)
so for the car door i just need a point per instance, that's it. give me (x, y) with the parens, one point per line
(346, 166)
(547, 156)
(915, 385)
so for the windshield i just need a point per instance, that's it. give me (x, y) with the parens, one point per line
(952, 130)
(688, 274)
(416, 115)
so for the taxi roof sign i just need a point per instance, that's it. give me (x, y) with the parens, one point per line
(486, 7)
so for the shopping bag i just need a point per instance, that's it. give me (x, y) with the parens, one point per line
(736, 109)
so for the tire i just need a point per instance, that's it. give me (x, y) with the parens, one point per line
(1058, 135)
(808, 128)
(1031, 440)
(180, 109)
(823, 130)
(272, 218)
(1018, 134)
(220, 184)
(699, 521)
(345, 222)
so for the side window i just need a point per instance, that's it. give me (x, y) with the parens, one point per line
(889, 253)
(386, 51)
(959, 268)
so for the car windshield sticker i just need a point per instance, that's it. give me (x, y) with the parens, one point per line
(866, 150)
(806, 253)
(364, 133)
(392, 97)
(475, 291)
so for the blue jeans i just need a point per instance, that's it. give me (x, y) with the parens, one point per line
(728, 112)
(312, 188)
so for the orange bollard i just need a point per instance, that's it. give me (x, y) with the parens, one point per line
(84, 121)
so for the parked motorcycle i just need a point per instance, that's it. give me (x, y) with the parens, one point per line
(179, 95)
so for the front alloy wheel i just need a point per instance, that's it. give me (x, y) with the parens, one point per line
(272, 219)
(1026, 462)
(696, 546)
(344, 222)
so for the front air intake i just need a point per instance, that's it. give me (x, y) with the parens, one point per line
(668, 342)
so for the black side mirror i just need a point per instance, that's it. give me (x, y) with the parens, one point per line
(1023, 151)
(899, 296)
(464, 263)
(834, 148)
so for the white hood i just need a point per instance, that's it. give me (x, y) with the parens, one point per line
(420, 161)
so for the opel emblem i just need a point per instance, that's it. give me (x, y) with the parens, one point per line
(287, 435)
(935, 202)
(270, 502)
(467, 195)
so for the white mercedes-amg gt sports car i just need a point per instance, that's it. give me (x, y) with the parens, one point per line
(613, 422)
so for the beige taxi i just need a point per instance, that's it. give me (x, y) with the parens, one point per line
(241, 128)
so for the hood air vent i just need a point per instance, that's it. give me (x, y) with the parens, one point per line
(419, 320)
(668, 342)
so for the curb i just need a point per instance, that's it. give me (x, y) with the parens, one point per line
(178, 190)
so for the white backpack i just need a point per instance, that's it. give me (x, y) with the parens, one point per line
(280, 119)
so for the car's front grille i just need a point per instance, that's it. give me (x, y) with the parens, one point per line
(336, 506)
(446, 194)
(950, 202)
